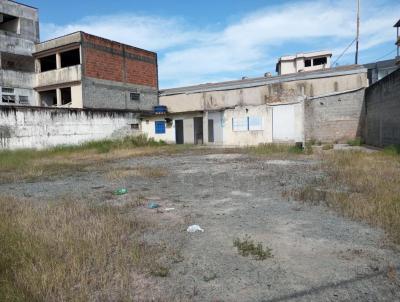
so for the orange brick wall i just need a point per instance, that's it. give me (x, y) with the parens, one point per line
(104, 59)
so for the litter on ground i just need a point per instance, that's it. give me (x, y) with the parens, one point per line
(194, 228)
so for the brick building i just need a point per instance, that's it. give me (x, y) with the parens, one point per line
(85, 71)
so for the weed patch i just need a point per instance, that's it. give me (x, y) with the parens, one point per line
(247, 247)
(363, 186)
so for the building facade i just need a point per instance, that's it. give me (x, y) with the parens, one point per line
(85, 71)
(325, 105)
(19, 31)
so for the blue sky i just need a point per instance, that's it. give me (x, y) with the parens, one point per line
(208, 41)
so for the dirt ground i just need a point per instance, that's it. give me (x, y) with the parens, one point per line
(317, 254)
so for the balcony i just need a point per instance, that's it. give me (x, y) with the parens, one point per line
(59, 76)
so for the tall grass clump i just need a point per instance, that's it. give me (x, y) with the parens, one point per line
(363, 186)
(268, 149)
(70, 251)
(358, 141)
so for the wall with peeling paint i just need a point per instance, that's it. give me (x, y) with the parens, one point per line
(33, 127)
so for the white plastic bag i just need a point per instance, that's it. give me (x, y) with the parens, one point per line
(194, 228)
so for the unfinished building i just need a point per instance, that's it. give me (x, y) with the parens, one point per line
(85, 71)
(19, 31)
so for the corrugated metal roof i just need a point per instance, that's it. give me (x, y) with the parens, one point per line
(261, 81)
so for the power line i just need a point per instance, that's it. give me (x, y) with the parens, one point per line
(344, 51)
(389, 53)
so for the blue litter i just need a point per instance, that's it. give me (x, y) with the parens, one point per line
(153, 205)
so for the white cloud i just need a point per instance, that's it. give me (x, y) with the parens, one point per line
(251, 44)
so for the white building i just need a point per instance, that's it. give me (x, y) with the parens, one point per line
(301, 62)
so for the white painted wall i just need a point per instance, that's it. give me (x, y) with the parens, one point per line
(248, 138)
(287, 123)
(42, 128)
(148, 127)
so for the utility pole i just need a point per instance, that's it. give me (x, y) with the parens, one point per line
(358, 29)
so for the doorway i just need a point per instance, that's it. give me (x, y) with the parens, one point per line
(210, 131)
(179, 132)
(198, 130)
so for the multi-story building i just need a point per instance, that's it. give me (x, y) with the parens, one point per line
(85, 71)
(19, 31)
(78, 70)
(300, 62)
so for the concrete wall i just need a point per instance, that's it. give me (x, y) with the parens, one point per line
(30, 127)
(383, 111)
(108, 94)
(338, 117)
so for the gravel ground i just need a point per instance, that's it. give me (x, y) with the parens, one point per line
(317, 254)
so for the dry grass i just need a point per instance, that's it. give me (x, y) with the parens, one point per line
(72, 251)
(31, 164)
(142, 171)
(362, 186)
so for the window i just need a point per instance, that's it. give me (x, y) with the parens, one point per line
(320, 61)
(307, 63)
(66, 96)
(240, 124)
(135, 126)
(23, 99)
(7, 90)
(48, 63)
(9, 23)
(8, 98)
(255, 123)
(160, 127)
(70, 58)
(135, 96)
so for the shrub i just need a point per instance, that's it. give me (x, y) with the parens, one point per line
(358, 141)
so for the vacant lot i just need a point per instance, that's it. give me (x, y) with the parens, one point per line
(66, 236)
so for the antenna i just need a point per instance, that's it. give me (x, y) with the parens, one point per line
(358, 29)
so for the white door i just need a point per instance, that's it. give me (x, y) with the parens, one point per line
(284, 123)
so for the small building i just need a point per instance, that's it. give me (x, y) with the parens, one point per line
(19, 31)
(379, 70)
(80, 70)
(324, 105)
(301, 62)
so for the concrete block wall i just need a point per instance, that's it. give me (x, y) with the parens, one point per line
(34, 127)
(382, 101)
(335, 118)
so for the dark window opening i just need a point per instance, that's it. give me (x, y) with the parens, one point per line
(320, 61)
(307, 63)
(48, 63)
(135, 96)
(66, 96)
(7, 90)
(48, 98)
(23, 99)
(70, 58)
(16, 62)
(9, 23)
(8, 98)
(135, 126)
